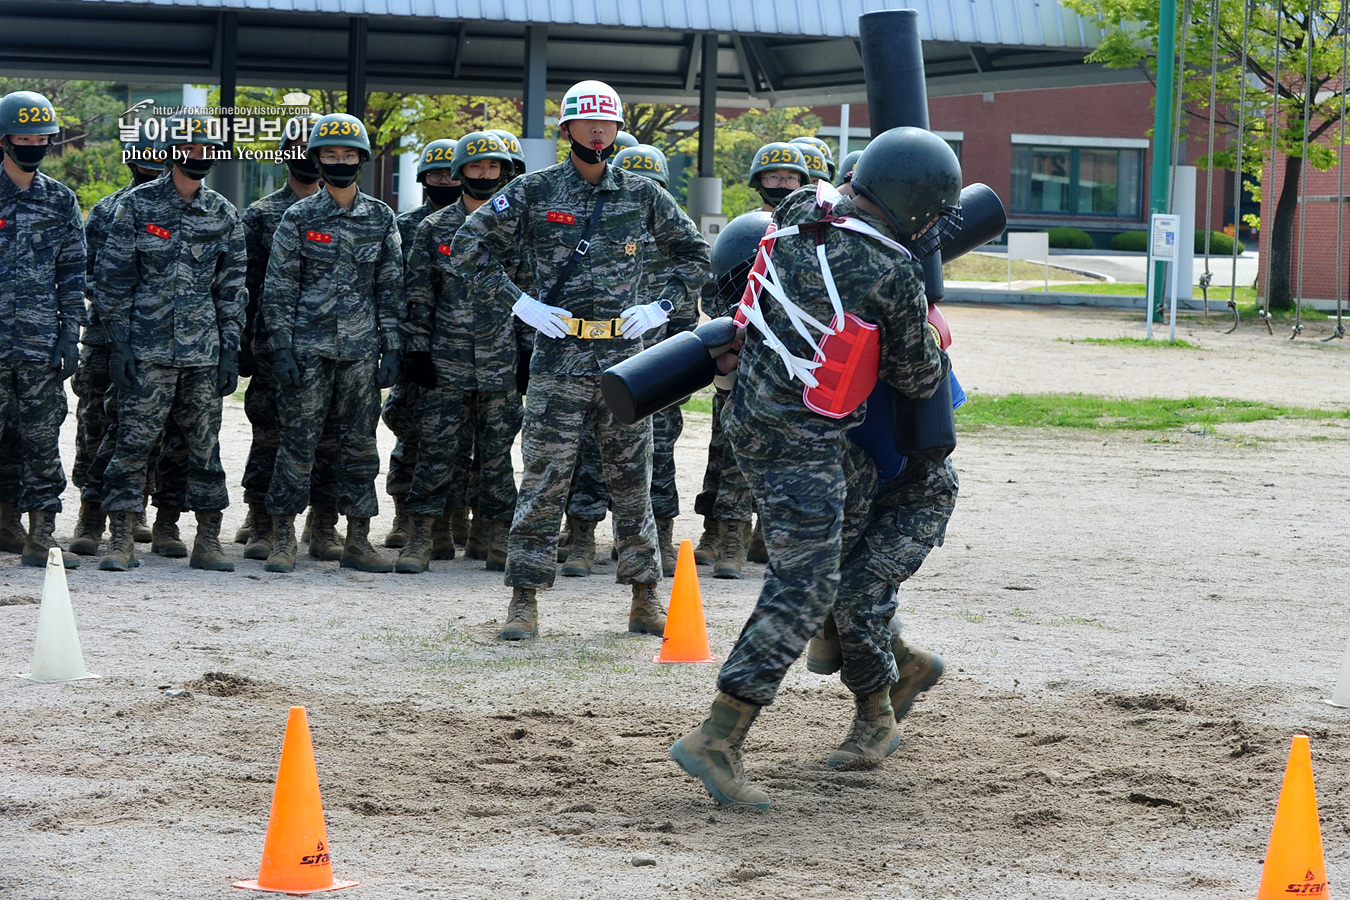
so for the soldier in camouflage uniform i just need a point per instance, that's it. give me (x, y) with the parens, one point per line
(41, 309)
(331, 307)
(798, 457)
(824, 149)
(542, 216)
(461, 352)
(260, 398)
(171, 296)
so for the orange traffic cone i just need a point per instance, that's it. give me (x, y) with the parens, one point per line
(295, 851)
(1294, 863)
(686, 636)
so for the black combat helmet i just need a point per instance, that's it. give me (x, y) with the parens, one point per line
(913, 176)
(733, 253)
(846, 167)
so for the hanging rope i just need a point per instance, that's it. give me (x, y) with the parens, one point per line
(1241, 150)
(1209, 152)
(1175, 159)
(1339, 330)
(1308, 46)
(1264, 314)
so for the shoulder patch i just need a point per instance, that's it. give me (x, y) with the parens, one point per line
(500, 203)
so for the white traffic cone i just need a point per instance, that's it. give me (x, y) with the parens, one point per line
(57, 656)
(1341, 696)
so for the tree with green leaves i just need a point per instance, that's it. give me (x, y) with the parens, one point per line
(1306, 35)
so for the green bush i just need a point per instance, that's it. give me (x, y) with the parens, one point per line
(1133, 241)
(1069, 238)
(1220, 244)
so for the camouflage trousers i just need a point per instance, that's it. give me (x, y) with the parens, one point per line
(401, 415)
(589, 499)
(346, 393)
(33, 399)
(725, 494)
(90, 384)
(260, 405)
(167, 396)
(447, 420)
(11, 466)
(557, 409)
(166, 480)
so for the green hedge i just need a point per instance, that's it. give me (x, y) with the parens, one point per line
(1220, 244)
(1069, 238)
(1133, 241)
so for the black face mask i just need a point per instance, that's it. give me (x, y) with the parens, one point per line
(303, 170)
(27, 157)
(442, 194)
(481, 188)
(340, 175)
(589, 154)
(195, 169)
(141, 176)
(774, 196)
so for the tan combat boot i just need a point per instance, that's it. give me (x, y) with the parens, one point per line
(565, 541)
(259, 544)
(442, 538)
(141, 532)
(13, 536)
(477, 545)
(88, 535)
(324, 542)
(308, 527)
(415, 556)
(646, 615)
(164, 537)
(206, 550)
(244, 533)
(874, 735)
(918, 671)
(459, 525)
(121, 553)
(582, 555)
(712, 753)
(496, 555)
(824, 655)
(398, 532)
(522, 616)
(707, 549)
(41, 528)
(757, 552)
(731, 555)
(282, 556)
(665, 542)
(357, 552)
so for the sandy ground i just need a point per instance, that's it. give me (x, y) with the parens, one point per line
(1134, 625)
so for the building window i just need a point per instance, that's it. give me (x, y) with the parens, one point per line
(393, 182)
(1077, 181)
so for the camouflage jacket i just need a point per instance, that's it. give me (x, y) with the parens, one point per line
(408, 223)
(876, 283)
(95, 236)
(540, 217)
(260, 223)
(660, 271)
(335, 280)
(171, 275)
(41, 267)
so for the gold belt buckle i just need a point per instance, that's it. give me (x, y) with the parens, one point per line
(593, 330)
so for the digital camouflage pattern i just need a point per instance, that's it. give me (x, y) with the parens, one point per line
(96, 229)
(725, 493)
(442, 416)
(408, 223)
(170, 277)
(261, 220)
(796, 461)
(33, 394)
(167, 481)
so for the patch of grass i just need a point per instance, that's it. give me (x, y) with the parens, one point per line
(970, 615)
(1149, 414)
(698, 403)
(1178, 344)
(982, 267)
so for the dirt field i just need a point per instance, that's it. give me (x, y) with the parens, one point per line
(1134, 625)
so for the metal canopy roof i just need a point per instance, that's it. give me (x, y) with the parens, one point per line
(774, 52)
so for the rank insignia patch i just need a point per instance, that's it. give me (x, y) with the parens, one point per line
(561, 218)
(158, 232)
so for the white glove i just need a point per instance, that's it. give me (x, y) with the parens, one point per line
(641, 319)
(541, 316)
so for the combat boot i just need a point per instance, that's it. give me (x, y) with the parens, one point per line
(459, 525)
(206, 550)
(282, 557)
(712, 753)
(706, 551)
(522, 616)
(415, 556)
(121, 553)
(41, 528)
(141, 532)
(565, 541)
(731, 549)
(308, 529)
(824, 655)
(357, 553)
(757, 552)
(477, 545)
(260, 541)
(244, 533)
(919, 670)
(398, 532)
(164, 537)
(324, 542)
(442, 538)
(88, 530)
(874, 735)
(13, 536)
(646, 615)
(496, 555)
(665, 541)
(582, 555)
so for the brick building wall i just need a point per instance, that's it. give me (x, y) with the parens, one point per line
(1324, 269)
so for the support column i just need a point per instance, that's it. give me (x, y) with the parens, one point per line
(1162, 130)
(844, 110)
(540, 150)
(356, 66)
(705, 190)
(229, 178)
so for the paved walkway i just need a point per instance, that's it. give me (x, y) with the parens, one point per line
(1131, 267)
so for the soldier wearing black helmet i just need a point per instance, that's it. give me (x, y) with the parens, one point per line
(778, 169)
(818, 163)
(42, 272)
(846, 167)
(824, 149)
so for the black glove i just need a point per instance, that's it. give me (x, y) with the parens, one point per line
(284, 369)
(523, 371)
(248, 363)
(122, 365)
(418, 368)
(227, 373)
(66, 354)
(388, 372)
